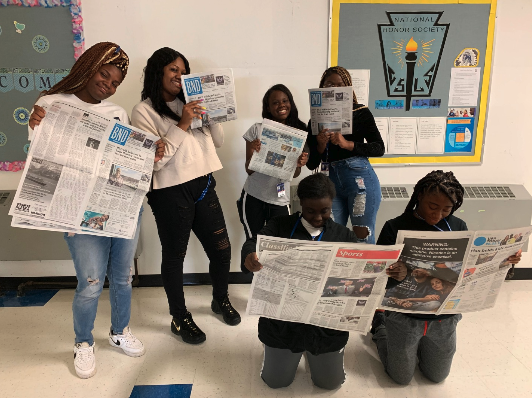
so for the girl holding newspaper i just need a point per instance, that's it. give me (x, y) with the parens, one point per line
(284, 342)
(345, 159)
(183, 198)
(95, 77)
(263, 196)
(403, 338)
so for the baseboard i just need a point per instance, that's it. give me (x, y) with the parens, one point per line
(155, 280)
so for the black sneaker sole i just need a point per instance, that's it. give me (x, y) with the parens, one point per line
(186, 339)
(230, 322)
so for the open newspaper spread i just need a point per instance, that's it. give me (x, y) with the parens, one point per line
(85, 173)
(217, 90)
(333, 285)
(280, 148)
(332, 109)
(453, 272)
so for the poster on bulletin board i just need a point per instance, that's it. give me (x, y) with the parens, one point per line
(424, 68)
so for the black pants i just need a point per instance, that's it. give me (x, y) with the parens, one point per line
(176, 215)
(254, 213)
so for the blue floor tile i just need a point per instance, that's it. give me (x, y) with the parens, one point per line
(32, 298)
(166, 391)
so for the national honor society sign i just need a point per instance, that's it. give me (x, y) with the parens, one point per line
(411, 46)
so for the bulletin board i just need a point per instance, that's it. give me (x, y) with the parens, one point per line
(39, 42)
(426, 67)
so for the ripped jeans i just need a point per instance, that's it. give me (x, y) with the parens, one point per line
(358, 194)
(94, 258)
(177, 211)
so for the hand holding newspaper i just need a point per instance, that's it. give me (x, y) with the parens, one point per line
(216, 90)
(333, 285)
(280, 148)
(331, 108)
(453, 272)
(85, 173)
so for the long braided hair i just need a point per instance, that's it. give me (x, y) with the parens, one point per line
(438, 181)
(153, 80)
(293, 117)
(88, 64)
(344, 75)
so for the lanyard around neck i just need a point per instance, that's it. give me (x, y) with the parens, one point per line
(297, 223)
(435, 226)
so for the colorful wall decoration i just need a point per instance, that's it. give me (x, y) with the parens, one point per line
(39, 42)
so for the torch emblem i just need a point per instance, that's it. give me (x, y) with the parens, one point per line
(411, 46)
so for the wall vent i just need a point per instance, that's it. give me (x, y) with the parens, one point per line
(394, 193)
(488, 192)
(3, 197)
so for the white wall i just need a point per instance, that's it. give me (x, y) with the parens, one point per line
(283, 41)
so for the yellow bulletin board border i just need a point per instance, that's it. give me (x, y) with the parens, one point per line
(484, 95)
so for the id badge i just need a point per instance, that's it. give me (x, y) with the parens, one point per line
(324, 169)
(280, 190)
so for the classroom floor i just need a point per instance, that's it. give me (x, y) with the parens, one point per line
(494, 356)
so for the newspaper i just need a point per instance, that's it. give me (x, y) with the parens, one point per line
(333, 285)
(332, 109)
(280, 148)
(217, 90)
(453, 272)
(85, 173)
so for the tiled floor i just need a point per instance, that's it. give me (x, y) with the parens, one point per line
(494, 357)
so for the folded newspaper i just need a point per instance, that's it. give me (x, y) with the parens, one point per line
(453, 272)
(332, 109)
(280, 148)
(85, 173)
(217, 90)
(333, 285)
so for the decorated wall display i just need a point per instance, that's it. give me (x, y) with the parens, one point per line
(427, 65)
(39, 42)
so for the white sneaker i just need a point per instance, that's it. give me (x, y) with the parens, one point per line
(84, 360)
(127, 342)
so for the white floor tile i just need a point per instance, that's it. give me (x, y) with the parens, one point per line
(494, 358)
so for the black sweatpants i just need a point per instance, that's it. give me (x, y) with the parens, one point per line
(254, 213)
(176, 215)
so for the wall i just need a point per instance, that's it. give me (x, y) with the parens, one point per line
(283, 41)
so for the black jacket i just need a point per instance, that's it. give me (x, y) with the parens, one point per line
(363, 128)
(299, 337)
(408, 222)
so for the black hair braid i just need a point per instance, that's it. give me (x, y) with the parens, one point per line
(344, 75)
(438, 181)
(153, 80)
(293, 117)
(316, 186)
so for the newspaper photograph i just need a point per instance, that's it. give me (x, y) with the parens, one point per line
(85, 173)
(331, 108)
(452, 272)
(280, 148)
(333, 285)
(216, 90)
(486, 269)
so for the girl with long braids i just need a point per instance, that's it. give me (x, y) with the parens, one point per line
(260, 200)
(95, 77)
(404, 338)
(183, 197)
(358, 192)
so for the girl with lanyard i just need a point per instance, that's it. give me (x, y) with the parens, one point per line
(94, 78)
(403, 338)
(345, 159)
(284, 342)
(264, 197)
(183, 197)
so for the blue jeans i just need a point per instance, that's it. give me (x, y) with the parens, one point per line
(358, 194)
(94, 258)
